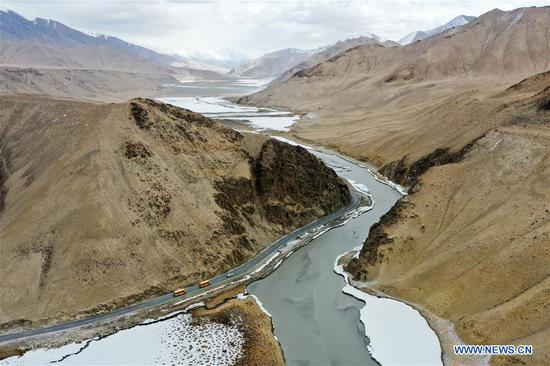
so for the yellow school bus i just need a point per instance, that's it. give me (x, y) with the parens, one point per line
(179, 291)
(204, 283)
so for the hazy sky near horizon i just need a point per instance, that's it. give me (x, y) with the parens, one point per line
(251, 27)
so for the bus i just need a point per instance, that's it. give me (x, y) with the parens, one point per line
(204, 283)
(179, 291)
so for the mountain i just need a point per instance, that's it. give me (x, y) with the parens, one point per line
(45, 56)
(223, 61)
(327, 52)
(271, 64)
(451, 246)
(105, 204)
(461, 119)
(492, 46)
(420, 35)
(47, 43)
(376, 37)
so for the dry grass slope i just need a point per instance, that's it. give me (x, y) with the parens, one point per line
(104, 204)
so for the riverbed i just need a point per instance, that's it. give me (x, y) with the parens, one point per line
(315, 322)
(310, 311)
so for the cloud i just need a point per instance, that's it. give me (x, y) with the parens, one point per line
(252, 27)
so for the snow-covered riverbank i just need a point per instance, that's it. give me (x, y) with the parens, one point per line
(175, 340)
(398, 333)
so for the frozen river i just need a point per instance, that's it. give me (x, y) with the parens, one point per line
(218, 108)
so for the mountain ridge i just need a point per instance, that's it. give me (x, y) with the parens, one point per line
(15, 27)
(491, 46)
(271, 64)
(327, 52)
(34, 43)
(415, 36)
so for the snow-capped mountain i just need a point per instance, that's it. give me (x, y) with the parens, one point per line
(409, 38)
(326, 52)
(375, 37)
(272, 64)
(222, 61)
(420, 35)
(31, 42)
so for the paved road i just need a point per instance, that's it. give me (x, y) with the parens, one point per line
(239, 272)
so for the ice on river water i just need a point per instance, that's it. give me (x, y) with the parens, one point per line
(219, 108)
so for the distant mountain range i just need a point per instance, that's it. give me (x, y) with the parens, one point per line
(222, 61)
(43, 56)
(327, 52)
(492, 45)
(48, 43)
(60, 51)
(420, 35)
(285, 63)
(272, 64)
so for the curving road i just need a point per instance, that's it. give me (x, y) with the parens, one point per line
(222, 279)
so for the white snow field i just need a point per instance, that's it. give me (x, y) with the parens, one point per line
(171, 341)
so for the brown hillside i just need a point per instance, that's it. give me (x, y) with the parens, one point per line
(472, 243)
(103, 201)
(390, 98)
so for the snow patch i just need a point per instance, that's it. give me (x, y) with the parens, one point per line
(193, 306)
(244, 279)
(290, 142)
(243, 296)
(278, 264)
(266, 263)
(359, 186)
(388, 182)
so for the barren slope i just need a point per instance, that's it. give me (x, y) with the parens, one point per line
(93, 85)
(103, 201)
(390, 98)
(328, 53)
(471, 243)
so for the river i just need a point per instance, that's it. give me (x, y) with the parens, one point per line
(315, 322)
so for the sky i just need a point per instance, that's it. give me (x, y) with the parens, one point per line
(248, 26)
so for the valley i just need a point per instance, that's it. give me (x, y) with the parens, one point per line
(470, 141)
(350, 202)
(356, 221)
